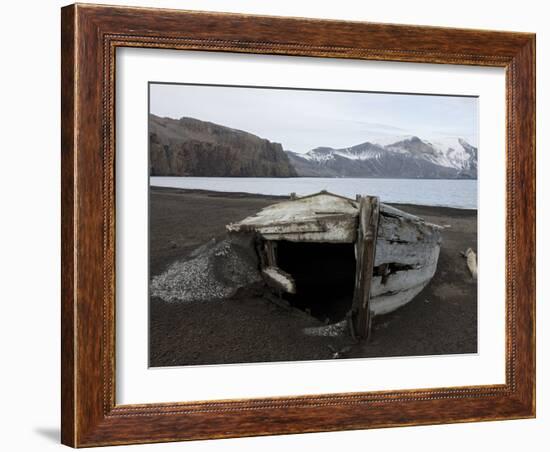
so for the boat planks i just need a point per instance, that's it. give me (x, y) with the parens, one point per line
(407, 252)
(402, 280)
(322, 218)
(386, 303)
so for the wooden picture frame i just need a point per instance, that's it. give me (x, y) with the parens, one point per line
(90, 36)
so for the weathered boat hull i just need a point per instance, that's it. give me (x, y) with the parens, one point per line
(396, 253)
(407, 252)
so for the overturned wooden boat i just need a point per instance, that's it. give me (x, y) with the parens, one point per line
(324, 242)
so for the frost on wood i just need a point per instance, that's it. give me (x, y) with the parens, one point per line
(215, 271)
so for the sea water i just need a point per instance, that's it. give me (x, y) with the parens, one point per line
(429, 192)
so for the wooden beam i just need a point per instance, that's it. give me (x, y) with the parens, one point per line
(270, 247)
(365, 247)
(278, 279)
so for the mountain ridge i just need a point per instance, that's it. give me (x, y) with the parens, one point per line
(410, 157)
(192, 147)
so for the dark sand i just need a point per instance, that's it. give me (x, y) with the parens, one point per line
(442, 319)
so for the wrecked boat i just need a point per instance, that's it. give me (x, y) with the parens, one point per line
(328, 249)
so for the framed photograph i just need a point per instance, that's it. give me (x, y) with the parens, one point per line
(281, 225)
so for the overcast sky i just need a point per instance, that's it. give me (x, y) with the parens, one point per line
(302, 120)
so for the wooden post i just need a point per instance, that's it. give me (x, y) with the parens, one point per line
(365, 247)
(270, 248)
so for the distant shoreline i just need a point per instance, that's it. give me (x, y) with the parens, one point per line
(328, 177)
(236, 195)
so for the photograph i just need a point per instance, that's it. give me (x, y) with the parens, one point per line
(291, 224)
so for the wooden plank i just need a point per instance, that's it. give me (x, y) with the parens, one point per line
(365, 247)
(405, 253)
(279, 280)
(333, 232)
(326, 228)
(389, 211)
(270, 252)
(390, 302)
(402, 280)
(314, 221)
(398, 229)
(298, 211)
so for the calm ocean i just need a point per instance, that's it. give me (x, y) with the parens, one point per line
(430, 192)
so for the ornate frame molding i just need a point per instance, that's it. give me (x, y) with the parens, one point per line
(90, 37)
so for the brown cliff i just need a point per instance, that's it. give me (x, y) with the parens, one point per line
(190, 147)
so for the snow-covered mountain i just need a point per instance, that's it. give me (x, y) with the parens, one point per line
(402, 157)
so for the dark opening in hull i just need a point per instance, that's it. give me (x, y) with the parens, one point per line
(324, 274)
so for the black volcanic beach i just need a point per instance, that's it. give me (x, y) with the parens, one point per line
(442, 319)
